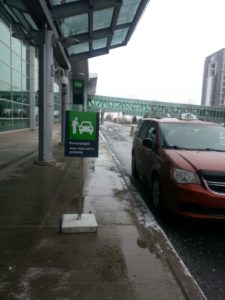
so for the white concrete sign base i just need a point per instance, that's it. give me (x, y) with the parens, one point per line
(74, 223)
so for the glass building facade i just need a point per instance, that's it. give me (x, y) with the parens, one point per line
(15, 78)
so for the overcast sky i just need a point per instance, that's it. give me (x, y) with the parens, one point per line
(165, 56)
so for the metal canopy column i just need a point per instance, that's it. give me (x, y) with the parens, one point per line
(32, 89)
(46, 78)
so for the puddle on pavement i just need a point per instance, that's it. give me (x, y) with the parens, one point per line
(120, 194)
(113, 169)
(112, 266)
(142, 243)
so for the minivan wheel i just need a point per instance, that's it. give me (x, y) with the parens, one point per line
(133, 168)
(156, 195)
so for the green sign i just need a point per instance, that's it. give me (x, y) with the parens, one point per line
(78, 91)
(78, 83)
(82, 130)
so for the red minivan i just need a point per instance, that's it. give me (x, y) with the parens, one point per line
(183, 162)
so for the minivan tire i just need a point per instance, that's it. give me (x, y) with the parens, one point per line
(157, 195)
(133, 167)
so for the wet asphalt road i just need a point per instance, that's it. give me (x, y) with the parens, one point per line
(200, 244)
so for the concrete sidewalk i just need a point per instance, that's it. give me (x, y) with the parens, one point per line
(127, 258)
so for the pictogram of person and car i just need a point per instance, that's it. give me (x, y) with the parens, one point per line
(83, 127)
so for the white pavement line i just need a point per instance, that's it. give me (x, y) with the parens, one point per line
(21, 160)
(102, 136)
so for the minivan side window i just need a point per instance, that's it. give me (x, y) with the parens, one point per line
(144, 129)
(151, 134)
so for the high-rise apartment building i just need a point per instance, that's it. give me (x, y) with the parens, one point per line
(213, 85)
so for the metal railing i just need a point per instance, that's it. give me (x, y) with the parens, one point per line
(138, 107)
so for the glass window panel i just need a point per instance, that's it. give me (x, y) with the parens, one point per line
(25, 83)
(16, 62)
(79, 48)
(5, 53)
(6, 125)
(24, 68)
(5, 90)
(36, 64)
(27, 55)
(56, 117)
(102, 18)
(56, 114)
(132, 2)
(23, 123)
(26, 111)
(56, 87)
(17, 124)
(6, 109)
(17, 96)
(36, 86)
(36, 104)
(20, 123)
(24, 52)
(17, 110)
(16, 80)
(75, 25)
(98, 44)
(128, 11)
(26, 97)
(28, 84)
(56, 98)
(30, 21)
(16, 45)
(57, 2)
(119, 36)
(57, 103)
(4, 72)
(11, 13)
(1, 108)
(5, 34)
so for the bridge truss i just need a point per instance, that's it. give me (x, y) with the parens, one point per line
(147, 108)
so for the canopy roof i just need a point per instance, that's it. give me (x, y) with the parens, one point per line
(82, 28)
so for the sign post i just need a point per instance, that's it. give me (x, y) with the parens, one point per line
(81, 140)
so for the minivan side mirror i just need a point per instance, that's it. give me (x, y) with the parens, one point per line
(148, 143)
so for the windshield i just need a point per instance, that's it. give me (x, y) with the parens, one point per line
(86, 124)
(193, 136)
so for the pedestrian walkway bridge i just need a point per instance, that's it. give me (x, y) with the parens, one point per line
(137, 107)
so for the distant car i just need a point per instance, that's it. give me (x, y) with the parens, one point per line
(188, 116)
(86, 127)
(183, 162)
